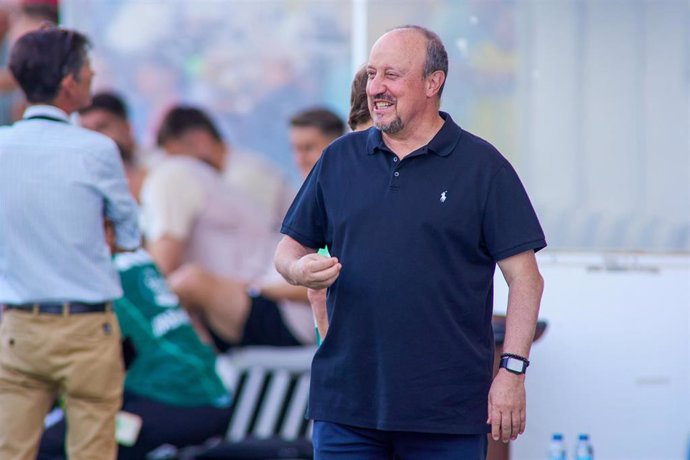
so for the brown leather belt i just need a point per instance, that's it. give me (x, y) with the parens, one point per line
(61, 308)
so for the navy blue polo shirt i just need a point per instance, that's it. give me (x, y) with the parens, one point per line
(410, 344)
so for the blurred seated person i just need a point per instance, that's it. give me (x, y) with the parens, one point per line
(230, 313)
(215, 243)
(358, 119)
(274, 312)
(264, 182)
(108, 115)
(171, 386)
(191, 215)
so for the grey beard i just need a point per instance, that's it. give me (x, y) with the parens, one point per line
(391, 128)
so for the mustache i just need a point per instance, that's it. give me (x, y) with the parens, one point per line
(383, 97)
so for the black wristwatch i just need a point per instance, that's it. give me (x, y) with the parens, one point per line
(514, 363)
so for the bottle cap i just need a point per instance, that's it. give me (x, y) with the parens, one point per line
(583, 437)
(557, 436)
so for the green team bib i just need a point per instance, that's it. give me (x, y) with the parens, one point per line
(172, 365)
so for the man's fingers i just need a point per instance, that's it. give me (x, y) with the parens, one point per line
(327, 274)
(523, 420)
(318, 263)
(506, 426)
(495, 417)
(323, 278)
(515, 430)
(316, 271)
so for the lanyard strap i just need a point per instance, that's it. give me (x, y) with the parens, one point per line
(46, 117)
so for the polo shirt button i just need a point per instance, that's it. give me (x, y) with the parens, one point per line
(396, 173)
(395, 159)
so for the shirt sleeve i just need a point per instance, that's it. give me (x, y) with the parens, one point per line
(171, 202)
(305, 221)
(510, 225)
(120, 207)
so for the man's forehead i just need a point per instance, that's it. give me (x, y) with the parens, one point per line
(97, 115)
(398, 46)
(309, 133)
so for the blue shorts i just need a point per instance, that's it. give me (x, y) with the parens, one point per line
(334, 441)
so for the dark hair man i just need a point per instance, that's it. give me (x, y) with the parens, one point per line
(310, 133)
(416, 213)
(57, 184)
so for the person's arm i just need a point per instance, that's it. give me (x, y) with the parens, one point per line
(301, 266)
(120, 208)
(166, 251)
(280, 290)
(171, 202)
(507, 404)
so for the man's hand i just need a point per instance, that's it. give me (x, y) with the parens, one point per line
(315, 271)
(507, 406)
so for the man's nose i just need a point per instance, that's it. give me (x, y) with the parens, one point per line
(375, 86)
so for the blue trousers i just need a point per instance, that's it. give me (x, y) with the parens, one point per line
(334, 441)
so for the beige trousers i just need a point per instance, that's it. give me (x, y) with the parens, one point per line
(42, 356)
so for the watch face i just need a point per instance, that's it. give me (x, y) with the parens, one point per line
(514, 365)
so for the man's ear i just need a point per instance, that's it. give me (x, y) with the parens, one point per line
(434, 82)
(67, 84)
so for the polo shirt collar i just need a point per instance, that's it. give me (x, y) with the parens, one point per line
(442, 144)
(49, 111)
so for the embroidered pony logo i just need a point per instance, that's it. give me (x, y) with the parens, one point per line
(443, 196)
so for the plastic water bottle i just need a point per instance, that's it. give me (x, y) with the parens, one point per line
(583, 448)
(557, 447)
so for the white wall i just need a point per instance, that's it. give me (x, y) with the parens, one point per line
(615, 359)
(607, 153)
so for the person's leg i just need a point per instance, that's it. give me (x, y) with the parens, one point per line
(266, 326)
(424, 446)
(229, 316)
(25, 398)
(93, 376)
(53, 440)
(174, 425)
(223, 303)
(334, 441)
